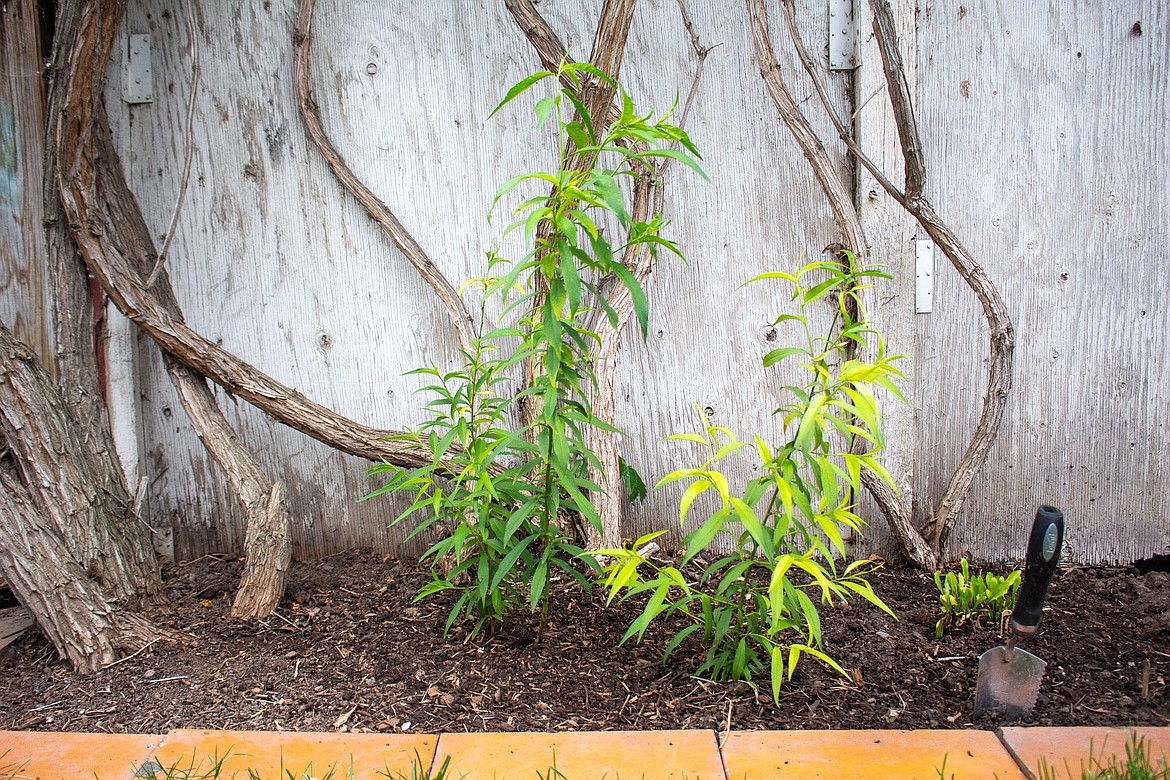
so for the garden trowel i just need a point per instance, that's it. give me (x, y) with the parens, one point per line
(1009, 678)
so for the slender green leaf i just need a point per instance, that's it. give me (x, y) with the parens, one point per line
(520, 88)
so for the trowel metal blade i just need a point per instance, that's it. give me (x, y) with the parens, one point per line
(1009, 682)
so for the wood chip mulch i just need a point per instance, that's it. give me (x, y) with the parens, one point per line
(349, 650)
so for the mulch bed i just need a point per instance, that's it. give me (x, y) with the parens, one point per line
(349, 650)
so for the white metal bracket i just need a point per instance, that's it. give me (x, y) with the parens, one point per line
(842, 35)
(923, 275)
(139, 87)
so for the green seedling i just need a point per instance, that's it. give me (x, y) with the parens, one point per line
(973, 599)
(504, 502)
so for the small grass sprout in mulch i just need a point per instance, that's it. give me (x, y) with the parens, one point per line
(974, 599)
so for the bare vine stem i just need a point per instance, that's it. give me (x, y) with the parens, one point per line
(1001, 343)
(845, 214)
(1001, 333)
(107, 226)
(188, 152)
(375, 207)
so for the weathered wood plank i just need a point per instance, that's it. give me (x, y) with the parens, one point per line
(1044, 135)
(22, 119)
(1044, 161)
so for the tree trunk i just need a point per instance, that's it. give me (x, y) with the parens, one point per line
(84, 36)
(267, 547)
(71, 547)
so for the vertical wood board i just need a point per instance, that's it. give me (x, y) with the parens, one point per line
(1045, 142)
(275, 261)
(1044, 162)
(23, 280)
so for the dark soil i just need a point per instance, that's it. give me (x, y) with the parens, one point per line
(348, 650)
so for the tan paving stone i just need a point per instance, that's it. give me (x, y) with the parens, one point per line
(627, 755)
(1066, 750)
(271, 754)
(867, 755)
(42, 755)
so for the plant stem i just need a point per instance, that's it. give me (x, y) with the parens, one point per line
(544, 525)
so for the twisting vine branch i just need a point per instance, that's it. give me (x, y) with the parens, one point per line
(107, 226)
(845, 214)
(376, 208)
(113, 224)
(999, 324)
(840, 199)
(540, 35)
(900, 100)
(609, 45)
(1002, 341)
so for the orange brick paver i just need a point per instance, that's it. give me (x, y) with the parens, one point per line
(627, 755)
(44, 755)
(867, 755)
(271, 754)
(1065, 750)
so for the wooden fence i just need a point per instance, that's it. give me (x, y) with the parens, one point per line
(1044, 128)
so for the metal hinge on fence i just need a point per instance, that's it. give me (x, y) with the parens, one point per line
(139, 86)
(842, 35)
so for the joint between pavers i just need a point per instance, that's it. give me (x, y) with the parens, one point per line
(1028, 774)
(719, 750)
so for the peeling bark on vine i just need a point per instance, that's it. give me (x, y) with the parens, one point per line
(79, 81)
(85, 625)
(71, 546)
(267, 546)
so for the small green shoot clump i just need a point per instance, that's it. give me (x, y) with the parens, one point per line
(1138, 764)
(973, 599)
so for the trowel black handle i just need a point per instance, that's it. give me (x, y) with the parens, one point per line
(1039, 565)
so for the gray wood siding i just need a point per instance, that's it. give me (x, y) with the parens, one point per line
(1045, 163)
(1045, 135)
